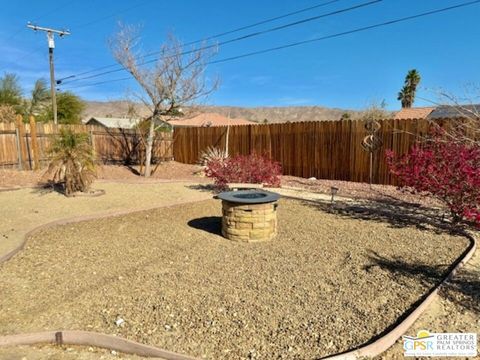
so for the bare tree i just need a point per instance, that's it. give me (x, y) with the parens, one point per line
(174, 80)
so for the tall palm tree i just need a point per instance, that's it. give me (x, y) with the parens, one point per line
(407, 93)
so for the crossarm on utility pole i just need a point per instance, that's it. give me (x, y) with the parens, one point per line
(51, 45)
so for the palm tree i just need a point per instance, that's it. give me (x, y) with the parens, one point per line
(407, 93)
(72, 162)
(40, 98)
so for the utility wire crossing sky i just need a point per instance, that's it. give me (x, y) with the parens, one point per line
(328, 58)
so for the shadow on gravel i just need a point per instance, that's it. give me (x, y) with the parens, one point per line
(463, 289)
(47, 188)
(396, 213)
(132, 170)
(210, 224)
(202, 187)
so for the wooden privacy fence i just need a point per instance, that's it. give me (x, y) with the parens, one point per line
(325, 150)
(25, 145)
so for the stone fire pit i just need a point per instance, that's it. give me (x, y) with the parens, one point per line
(249, 215)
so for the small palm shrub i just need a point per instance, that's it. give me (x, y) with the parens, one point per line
(250, 169)
(212, 154)
(72, 162)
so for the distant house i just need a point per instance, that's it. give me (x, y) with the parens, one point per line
(453, 111)
(111, 123)
(414, 113)
(208, 120)
(439, 112)
(120, 123)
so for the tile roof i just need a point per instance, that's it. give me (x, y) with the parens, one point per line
(209, 119)
(414, 113)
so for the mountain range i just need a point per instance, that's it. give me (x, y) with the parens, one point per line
(272, 114)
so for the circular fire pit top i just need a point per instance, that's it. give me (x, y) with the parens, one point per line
(249, 196)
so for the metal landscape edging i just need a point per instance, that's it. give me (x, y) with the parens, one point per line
(89, 338)
(111, 342)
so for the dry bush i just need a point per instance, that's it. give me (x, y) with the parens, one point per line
(7, 114)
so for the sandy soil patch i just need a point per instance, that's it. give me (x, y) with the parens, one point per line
(24, 209)
(52, 352)
(177, 171)
(357, 190)
(171, 170)
(326, 284)
(457, 309)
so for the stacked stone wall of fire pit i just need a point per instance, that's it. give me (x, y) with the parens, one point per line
(249, 222)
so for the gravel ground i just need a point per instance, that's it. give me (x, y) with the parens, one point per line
(52, 352)
(457, 309)
(356, 190)
(24, 209)
(166, 171)
(177, 171)
(326, 284)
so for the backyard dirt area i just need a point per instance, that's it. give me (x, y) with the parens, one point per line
(356, 190)
(327, 283)
(53, 352)
(173, 170)
(456, 309)
(166, 171)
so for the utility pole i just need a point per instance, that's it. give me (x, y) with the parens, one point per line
(51, 45)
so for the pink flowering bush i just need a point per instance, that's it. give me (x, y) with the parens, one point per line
(449, 171)
(251, 169)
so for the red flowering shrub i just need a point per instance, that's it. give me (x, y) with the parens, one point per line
(250, 169)
(448, 171)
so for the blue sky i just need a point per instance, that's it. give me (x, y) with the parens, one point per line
(347, 72)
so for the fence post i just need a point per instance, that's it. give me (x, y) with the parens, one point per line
(33, 135)
(28, 152)
(21, 140)
(227, 136)
(19, 150)
(92, 141)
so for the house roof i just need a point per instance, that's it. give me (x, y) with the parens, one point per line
(120, 123)
(414, 113)
(209, 119)
(110, 122)
(452, 111)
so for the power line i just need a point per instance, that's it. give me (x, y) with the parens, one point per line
(41, 17)
(262, 22)
(361, 29)
(98, 83)
(36, 50)
(365, 28)
(78, 27)
(110, 15)
(243, 37)
(218, 35)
